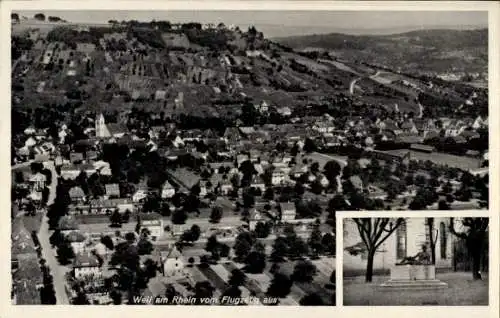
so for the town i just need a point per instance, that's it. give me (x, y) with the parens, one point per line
(154, 160)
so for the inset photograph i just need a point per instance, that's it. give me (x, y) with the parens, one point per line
(415, 261)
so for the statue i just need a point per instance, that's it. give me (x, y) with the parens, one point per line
(422, 258)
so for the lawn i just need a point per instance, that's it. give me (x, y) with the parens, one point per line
(461, 291)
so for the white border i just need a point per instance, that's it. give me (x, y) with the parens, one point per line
(216, 311)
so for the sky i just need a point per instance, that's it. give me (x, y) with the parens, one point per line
(286, 23)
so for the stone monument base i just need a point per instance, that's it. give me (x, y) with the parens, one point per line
(413, 277)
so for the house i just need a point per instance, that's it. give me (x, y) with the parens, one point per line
(86, 265)
(70, 171)
(323, 127)
(277, 177)
(405, 241)
(409, 127)
(37, 181)
(139, 195)
(160, 95)
(167, 191)
(78, 241)
(203, 188)
(30, 142)
(356, 182)
(112, 190)
(153, 222)
(76, 195)
(400, 157)
(103, 168)
(422, 148)
(225, 187)
(288, 211)
(258, 183)
(67, 224)
(254, 218)
(173, 263)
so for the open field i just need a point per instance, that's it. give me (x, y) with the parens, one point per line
(462, 290)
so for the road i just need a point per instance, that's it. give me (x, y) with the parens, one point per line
(49, 254)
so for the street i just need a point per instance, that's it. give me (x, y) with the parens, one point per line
(58, 272)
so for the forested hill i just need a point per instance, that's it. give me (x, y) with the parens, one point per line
(435, 38)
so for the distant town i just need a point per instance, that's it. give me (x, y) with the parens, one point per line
(193, 164)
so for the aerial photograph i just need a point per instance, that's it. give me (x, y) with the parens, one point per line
(200, 157)
(416, 261)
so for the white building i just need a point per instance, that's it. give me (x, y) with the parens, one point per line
(86, 265)
(277, 177)
(173, 263)
(154, 223)
(167, 191)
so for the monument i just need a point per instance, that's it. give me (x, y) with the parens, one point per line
(415, 272)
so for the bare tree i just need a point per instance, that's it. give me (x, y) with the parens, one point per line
(433, 236)
(374, 232)
(475, 234)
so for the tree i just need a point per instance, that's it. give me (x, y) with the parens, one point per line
(81, 299)
(242, 245)
(237, 278)
(116, 297)
(374, 232)
(269, 194)
(144, 246)
(443, 205)
(280, 249)
(256, 262)
(280, 286)
(39, 16)
(116, 219)
(195, 232)
(331, 170)
(108, 242)
(309, 146)
(304, 271)
(203, 290)
(248, 199)
(475, 234)
(216, 214)
(56, 238)
(328, 243)
(165, 209)
(433, 233)
(315, 242)
(179, 217)
(65, 253)
(212, 244)
(297, 247)
(311, 300)
(262, 229)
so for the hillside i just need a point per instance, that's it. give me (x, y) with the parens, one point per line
(428, 52)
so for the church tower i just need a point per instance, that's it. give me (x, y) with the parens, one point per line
(101, 131)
